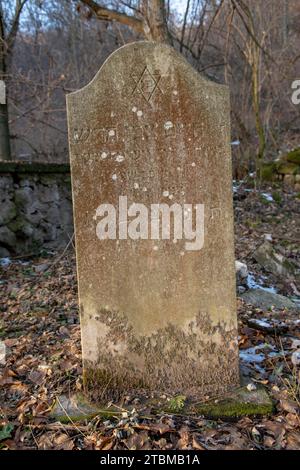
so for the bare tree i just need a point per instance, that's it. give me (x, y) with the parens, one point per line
(9, 25)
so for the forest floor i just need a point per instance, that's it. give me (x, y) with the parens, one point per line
(39, 325)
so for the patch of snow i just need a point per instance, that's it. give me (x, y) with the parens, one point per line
(268, 237)
(295, 358)
(235, 142)
(4, 262)
(251, 387)
(120, 158)
(255, 355)
(165, 194)
(114, 177)
(251, 355)
(252, 284)
(267, 197)
(262, 323)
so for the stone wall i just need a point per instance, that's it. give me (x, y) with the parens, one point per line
(35, 207)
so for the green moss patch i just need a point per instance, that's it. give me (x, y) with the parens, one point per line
(238, 404)
(288, 168)
(177, 404)
(293, 156)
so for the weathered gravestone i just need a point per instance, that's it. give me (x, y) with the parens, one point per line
(149, 135)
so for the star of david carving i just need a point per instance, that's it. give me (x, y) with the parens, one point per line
(146, 84)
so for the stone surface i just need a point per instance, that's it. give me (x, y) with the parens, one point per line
(241, 272)
(242, 402)
(250, 400)
(35, 209)
(153, 314)
(74, 408)
(272, 261)
(4, 253)
(265, 300)
(7, 237)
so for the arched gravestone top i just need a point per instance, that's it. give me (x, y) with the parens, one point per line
(155, 313)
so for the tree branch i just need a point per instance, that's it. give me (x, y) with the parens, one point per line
(15, 24)
(114, 15)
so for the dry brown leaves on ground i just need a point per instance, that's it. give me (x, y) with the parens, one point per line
(40, 327)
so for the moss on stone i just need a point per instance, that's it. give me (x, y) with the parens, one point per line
(293, 156)
(79, 408)
(288, 168)
(101, 384)
(238, 404)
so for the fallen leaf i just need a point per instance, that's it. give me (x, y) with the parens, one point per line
(183, 442)
(196, 444)
(37, 376)
(293, 441)
(137, 441)
(289, 406)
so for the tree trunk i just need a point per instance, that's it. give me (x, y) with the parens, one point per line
(150, 21)
(155, 21)
(256, 107)
(5, 152)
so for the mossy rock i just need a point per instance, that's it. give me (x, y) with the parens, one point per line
(288, 168)
(240, 403)
(293, 156)
(77, 408)
(236, 404)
